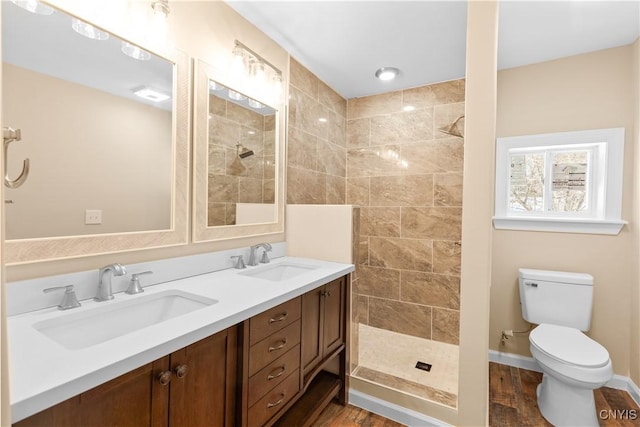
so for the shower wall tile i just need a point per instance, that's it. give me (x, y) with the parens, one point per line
(217, 106)
(302, 78)
(217, 160)
(316, 143)
(447, 189)
(269, 191)
(437, 290)
(358, 132)
(399, 163)
(375, 105)
(381, 222)
(230, 213)
(401, 127)
(216, 214)
(358, 191)
(405, 254)
(432, 156)
(223, 132)
(446, 326)
(396, 316)
(446, 257)
(362, 309)
(223, 188)
(432, 223)
(249, 190)
(404, 190)
(248, 118)
(379, 282)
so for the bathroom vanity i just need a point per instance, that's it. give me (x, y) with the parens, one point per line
(273, 350)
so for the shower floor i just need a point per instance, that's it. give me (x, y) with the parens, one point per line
(389, 359)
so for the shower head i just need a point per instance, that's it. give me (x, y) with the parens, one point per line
(243, 152)
(453, 128)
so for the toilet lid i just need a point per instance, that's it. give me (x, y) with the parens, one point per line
(569, 345)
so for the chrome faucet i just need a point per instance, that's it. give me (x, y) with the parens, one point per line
(253, 259)
(104, 285)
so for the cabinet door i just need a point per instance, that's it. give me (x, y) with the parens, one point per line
(129, 400)
(333, 328)
(311, 330)
(203, 385)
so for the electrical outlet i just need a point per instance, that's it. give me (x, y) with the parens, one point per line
(93, 216)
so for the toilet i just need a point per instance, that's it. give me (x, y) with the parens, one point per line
(573, 364)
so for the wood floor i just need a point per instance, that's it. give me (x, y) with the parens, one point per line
(512, 402)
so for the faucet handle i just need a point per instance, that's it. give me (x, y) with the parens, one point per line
(69, 299)
(265, 257)
(134, 284)
(239, 263)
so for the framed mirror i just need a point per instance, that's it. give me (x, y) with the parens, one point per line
(105, 125)
(238, 165)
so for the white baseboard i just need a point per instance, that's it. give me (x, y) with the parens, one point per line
(392, 411)
(618, 382)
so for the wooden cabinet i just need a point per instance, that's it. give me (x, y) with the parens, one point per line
(194, 386)
(323, 324)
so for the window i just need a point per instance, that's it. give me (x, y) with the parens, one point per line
(569, 182)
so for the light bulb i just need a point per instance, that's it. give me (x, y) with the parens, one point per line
(88, 30)
(135, 52)
(159, 21)
(236, 96)
(34, 6)
(237, 67)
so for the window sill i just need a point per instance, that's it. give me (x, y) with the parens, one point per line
(559, 225)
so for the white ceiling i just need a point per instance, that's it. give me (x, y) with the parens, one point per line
(344, 42)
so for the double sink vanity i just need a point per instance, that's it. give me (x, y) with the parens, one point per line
(246, 346)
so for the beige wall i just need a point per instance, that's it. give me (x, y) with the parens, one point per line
(582, 92)
(407, 177)
(316, 161)
(114, 156)
(635, 253)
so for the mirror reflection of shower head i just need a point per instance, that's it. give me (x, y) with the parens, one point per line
(453, 128)
(243, 152)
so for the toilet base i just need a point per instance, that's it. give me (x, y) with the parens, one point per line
(565, 405)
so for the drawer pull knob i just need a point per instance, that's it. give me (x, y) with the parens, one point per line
(164, 378)
(181, 371)
(325, 293)
(276, 403)
(280, 318)
(279, 346)
(279, 374)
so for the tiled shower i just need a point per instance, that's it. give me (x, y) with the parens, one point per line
(386, 154)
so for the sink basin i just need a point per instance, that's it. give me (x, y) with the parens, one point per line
(80, 330)
(277, 272)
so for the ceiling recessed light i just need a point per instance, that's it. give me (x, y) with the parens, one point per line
(387, 73)
(151, 94)
(34, 6)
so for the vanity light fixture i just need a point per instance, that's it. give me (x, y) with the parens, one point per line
(151, 94)
(387, 73)
(34, 6)
(88, 30)
(159, 19)
(255, 104)
(215, 87)
(236, 96)
(135, 52)
(247, 63)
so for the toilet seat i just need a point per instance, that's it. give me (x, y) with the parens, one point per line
(569, 345)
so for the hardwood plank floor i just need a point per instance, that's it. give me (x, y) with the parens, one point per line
(512, 402)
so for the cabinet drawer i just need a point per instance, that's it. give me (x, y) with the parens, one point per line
(273, 374)
(272, 347)
(271, 403)
(264, 324)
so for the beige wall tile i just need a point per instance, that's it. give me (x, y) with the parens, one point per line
(368, 106)
(250, 190)
(363, 251)
(446, 257)
(436, 94)
(374, 161)
(269, 165)
(406, 190)
(303, 79)
(447, 189)
(381, 222)
(332, 99)
(223, 132)
(437, 290)
(337, 129)
(406, 254)
(445, 115)
(217, 160)
(379, 282)
(331, 159)
(358, 132)
(410, 319)
(245, 117)
(230, 213)
(433, 156)
(302, 150)
(358, 191)
(306, 187)
(431, 223)
(446, 326)
(217, 106)
(268, 191)
(335, 190)
(402, 127)
(305, 112)
(223, 188)
(362, 309)
(216, 214)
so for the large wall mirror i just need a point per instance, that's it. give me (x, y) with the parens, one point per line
(238, 173)
(104, 123)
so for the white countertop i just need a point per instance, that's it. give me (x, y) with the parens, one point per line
(44, 373)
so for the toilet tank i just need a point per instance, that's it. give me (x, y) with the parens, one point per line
(556, 297)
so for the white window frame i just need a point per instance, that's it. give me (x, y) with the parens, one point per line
(606, 147)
